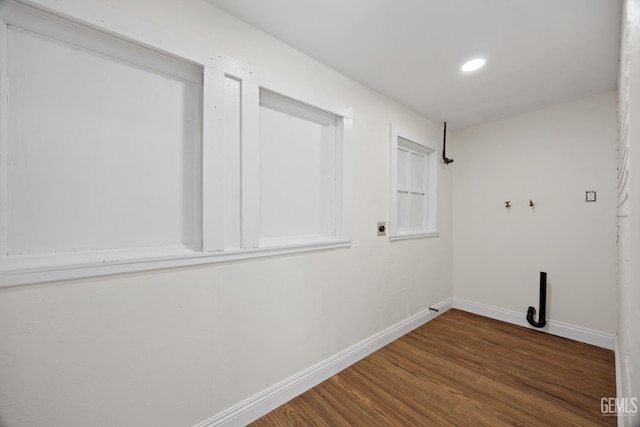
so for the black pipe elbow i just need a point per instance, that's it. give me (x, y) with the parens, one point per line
(531, 312)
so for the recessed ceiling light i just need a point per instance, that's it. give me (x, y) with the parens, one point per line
(472, 65)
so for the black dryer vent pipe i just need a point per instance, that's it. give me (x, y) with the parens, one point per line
(543, 305)
(445, 159)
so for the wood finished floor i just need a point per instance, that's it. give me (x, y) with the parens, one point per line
(461, 369)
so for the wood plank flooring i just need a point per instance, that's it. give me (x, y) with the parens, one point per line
(461, 369)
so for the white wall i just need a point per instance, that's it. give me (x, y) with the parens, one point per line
(629, 208)
(175, 347)
(551, 156)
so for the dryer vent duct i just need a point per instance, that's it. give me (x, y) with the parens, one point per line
(445, 159)
(531, 312)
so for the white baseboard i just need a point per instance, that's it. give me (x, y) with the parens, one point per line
(442, 307)
(585, 335)
(280, 393)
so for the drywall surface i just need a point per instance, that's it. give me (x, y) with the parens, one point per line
(629, 209)
(551, 157)
(178, 346)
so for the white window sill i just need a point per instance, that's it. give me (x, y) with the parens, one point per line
(279, 242)
(414, 235)
(30, 270)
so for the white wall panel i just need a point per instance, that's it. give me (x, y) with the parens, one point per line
(551, 156)
(417, 211)
(232, 167)
(418, 172)
(291, 172)
(102, 152)
(174, 347)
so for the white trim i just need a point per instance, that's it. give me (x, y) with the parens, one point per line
(262, 403)
(294, 107)
(343, 193)
(616, 349)
(4, 138)
(414, 236)
(151, 261)
(213, 167)
(306, 96)
(565, 330)
(250, 164)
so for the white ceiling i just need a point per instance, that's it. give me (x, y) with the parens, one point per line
(538, 52)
